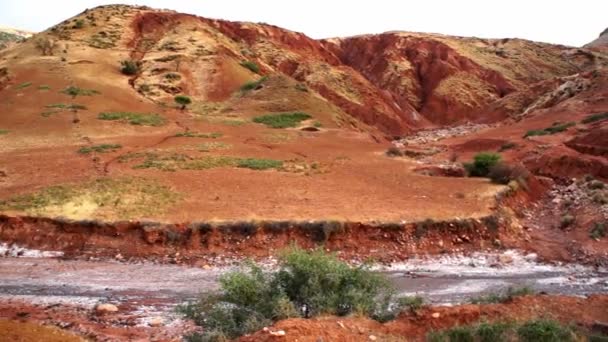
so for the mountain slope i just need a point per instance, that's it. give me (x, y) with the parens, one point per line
(601, 43)
(67, 106)
(10, 36)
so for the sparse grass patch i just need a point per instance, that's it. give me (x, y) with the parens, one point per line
(71, 106)
(44, 87)
(190, 134)
(103, 148)
(23, 85)
(504, 296)
(282, 120)
(259, 164)
(212, 146)
(251, 66)
(253, 84)
(137, 119)
(556, 128)
(595, 117)
(103, 198)
(4, 131)
(307, 284)
(174, 162)
(74, 91)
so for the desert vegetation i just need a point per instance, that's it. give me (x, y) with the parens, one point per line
(104, 198)
(251, 66)
(136, 119)
(178, 161)
(75, 91)
(502, 296)
(595, 117)
(191, 134)
(306, 284)
(282, 120)
(541, 330)
(102, 148)
(45, 45)
(129, 67)
(556, 128)
(182, 101)
(253, 84)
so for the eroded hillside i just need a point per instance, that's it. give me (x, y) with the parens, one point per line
(282, 127)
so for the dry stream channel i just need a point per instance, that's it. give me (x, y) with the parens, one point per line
(153, 290)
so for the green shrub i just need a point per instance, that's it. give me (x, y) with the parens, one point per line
(138, 119)
(492, 332)
(4, 131)
(595, 117)
(282, 120)
(306, 284)
(182, 100)
(103, 148)
(253, 84)
(129, 67)
(251, 66)
(461, 334)
(544, 331)
(482, 162)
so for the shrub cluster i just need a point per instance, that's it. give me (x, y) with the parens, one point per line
(129, 67)
(531, 331)
(489, 165)
(482, 162)
(306, 284)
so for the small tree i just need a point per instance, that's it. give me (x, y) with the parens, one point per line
(45, 45)
(183, 101)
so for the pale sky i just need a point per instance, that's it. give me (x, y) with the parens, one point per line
(562, 22)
